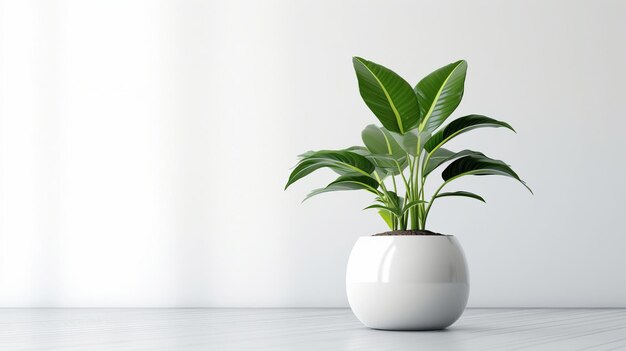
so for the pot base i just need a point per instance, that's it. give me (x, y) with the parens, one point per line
(409, 306)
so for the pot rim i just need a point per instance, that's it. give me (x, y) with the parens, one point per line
(409, 236)
(412, 237)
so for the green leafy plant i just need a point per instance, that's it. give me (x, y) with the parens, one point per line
(408, 147)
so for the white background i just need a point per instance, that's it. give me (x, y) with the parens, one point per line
(144, 146)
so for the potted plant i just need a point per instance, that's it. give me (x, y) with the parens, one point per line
(408, 278)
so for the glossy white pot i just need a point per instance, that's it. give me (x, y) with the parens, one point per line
(409, 282)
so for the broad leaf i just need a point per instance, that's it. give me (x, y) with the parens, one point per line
(441, 155)
(380, 142)
(385, 152)
(347, 182)
(460, 126)
(386, 165)
(462, 194)
(361, 150)
(438, 157)
(408, 141)
(339, 160)
(389, 96)
(394, 199)
(439, 94)
(387, 217)
(479, 164)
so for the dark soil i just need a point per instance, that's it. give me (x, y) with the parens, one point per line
(407, 232)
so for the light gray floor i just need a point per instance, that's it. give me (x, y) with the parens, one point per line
(303, 329)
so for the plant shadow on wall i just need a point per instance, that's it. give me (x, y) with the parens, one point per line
(408, 278)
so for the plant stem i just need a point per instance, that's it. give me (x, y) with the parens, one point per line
(406, 184)
(382, 184)
(417, 186)
(422, 206)
(412, 210)
(396, 221)
(437, 193)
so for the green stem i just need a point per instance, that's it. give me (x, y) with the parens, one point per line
(409, 182)
(422, 194)
(430, 204)
(382, 184)
(417, 186)
(409, 190)
(396, 221)
(406, 184)
(422, 197)
(413, 215)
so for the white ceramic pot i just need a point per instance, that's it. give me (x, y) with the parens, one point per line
(409, 282)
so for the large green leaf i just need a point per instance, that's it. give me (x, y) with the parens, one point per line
(436, 158)
(408, 141)
(347, 182)
(385, 152)
(386, 165)
(441, 155)
(342, 161)
(462, 194)
(361, 150)
(460, 126)
(479, 164)
(379, 141)
(389, 96)
(439, 94)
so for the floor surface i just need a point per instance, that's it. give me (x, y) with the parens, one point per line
(303, 329)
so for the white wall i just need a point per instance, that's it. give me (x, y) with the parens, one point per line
(144, 147)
